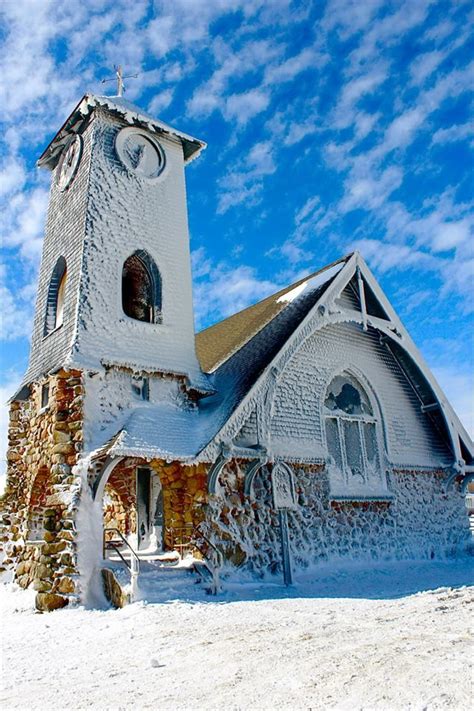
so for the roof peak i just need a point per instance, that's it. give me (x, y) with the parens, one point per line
(215, 344)
(285, 290)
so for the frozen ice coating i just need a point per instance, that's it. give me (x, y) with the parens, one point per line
(304, 428)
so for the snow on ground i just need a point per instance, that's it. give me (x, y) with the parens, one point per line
(391, 636)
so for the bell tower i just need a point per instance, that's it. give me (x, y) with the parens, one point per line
(115, 279)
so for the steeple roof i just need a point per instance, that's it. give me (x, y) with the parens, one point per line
(134, 115)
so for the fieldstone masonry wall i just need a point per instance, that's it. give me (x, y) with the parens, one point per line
(184, 495)
(421, 522)
(41, 496)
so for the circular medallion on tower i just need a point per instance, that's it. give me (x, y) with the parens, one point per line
(69, 162)
(140, 153)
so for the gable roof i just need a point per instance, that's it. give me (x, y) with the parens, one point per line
(219, 342)
(240, 356)
(132, 114)
(243, 351)
(323, 311)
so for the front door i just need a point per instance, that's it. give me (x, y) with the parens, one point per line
(144, 523)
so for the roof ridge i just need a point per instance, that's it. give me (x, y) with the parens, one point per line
(219, 342)
(279, 293)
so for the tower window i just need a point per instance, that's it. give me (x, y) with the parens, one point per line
(141, 288)
(56, 294)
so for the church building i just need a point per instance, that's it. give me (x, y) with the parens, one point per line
(302, 429)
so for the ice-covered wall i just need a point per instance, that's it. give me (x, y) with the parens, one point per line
(128, 213)
(421, 521)
(109, 401)
(297, 418)
(64, 237)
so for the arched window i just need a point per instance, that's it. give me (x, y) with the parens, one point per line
(141, 288)
(55, 301)
(351, 432)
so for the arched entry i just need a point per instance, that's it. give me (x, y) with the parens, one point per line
(132, 504)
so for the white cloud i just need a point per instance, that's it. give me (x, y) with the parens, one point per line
(245, 182)
(384, 256)
(450, 234)
(454, 133)
(242, 107)
(458, 384)
(12, 177)
(17, 309)
(221, 289)
(160, 102)
(289, 69)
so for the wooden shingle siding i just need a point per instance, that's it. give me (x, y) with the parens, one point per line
(297, 414)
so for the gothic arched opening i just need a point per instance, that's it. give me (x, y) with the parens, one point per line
(351, 432)
(141, 288)
(55, 300)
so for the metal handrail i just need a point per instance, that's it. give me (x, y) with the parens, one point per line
(181, 537)
(112, 545)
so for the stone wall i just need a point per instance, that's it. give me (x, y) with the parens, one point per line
(420, 522)
(120, 493)
(39, 503)
(184, 495)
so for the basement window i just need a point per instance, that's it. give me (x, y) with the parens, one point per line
(141, 387)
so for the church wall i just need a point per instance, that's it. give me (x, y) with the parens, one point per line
(63, 237)
(109, 401)
(297, 425)
(38, 504)
(421, 522)
(184, 496)
(126, 214)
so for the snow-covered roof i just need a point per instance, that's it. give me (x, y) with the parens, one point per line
(167, 432)
(219, 342)
(163, 431)
(132, 114)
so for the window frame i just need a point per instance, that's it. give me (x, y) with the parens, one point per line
(364, 420)
(56, 297)
(156, 285)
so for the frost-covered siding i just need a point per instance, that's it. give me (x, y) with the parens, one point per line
(63, 237)
(127, 214)
(109, 401)
(421, 521)
(297, 420)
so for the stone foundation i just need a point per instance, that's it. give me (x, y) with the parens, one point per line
(421, 521)
(40, 500)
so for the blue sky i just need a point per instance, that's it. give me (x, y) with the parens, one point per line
(331, 125)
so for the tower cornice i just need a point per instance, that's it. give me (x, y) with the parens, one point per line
(117, 106)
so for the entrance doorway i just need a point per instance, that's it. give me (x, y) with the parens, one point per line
(150, 520)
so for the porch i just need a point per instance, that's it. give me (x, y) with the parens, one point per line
(153, 525)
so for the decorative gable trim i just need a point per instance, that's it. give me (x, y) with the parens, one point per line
(325, 312)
